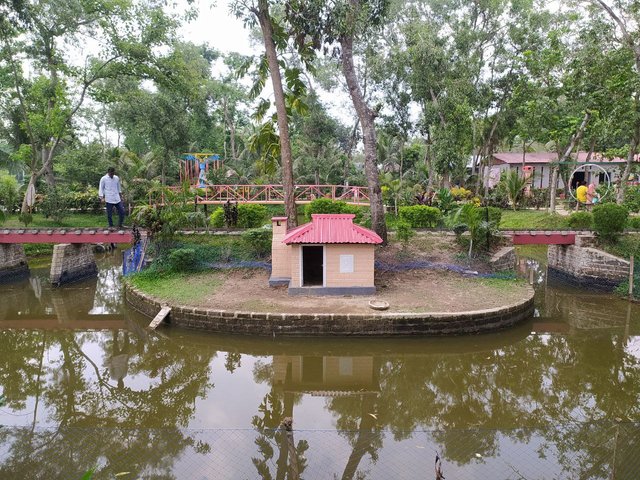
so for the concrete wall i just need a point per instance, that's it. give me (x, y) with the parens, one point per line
(72, 262)
(13, 262)
(587, 266)
(363, 258)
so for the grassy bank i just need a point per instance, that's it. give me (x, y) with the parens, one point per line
(75, 220)
(532, 220)
(178, 287)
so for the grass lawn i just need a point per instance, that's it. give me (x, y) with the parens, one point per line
(532, 220)
(73, 220)
(179, 288)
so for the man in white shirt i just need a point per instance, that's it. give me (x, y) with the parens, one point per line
(110, 192)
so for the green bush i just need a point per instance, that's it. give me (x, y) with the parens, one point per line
(258, 240)
(404, 232)
(632, 198)
(85, 201)
(216, 219)
(25, 218)
(251, 215)
(421, 216)
(609, 220)
(8, 191)
(183, 259)
(580, 220)
(55, 204)
(326, 205)
(634, 222)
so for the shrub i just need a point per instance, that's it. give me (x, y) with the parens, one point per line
(580, 220)
(404, 232)
(326, 205)
(251, 215)
(461, 193)
(609, 220)
(25, 218)
(54, 204)
(258, 240)
(634, 222)
(230, 214)
(183, 259)
(421, 216)
(632, 198)
(8, 191)
(85, 201)
(216, 219)
(444, 200)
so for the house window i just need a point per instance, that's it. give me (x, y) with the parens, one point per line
(346, 263)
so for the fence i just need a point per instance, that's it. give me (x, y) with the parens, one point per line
(599, 450)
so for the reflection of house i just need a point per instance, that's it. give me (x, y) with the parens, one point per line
(539, 165)
(328, 256)
(327, 376)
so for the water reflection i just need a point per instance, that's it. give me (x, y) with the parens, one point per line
(561, 402)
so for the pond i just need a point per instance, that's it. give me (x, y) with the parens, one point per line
(83, 385)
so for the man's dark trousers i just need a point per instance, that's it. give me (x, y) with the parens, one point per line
(118, 206)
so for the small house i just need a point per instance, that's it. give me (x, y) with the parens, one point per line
(328, 256)
(537, 167)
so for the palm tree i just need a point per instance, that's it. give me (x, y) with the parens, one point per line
(515, 187)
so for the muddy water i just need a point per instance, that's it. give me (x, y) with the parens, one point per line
(84, 386)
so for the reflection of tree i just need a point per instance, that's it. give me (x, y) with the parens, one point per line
(274, 432)
(98, 423)
(533, 384)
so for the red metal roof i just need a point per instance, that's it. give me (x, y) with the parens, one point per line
(548, 157)
(331, 228)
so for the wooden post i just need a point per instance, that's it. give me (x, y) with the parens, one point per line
(631, 265)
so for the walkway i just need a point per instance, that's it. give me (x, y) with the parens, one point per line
(64, 235)
(274, 194)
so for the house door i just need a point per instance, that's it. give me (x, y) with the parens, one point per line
(312, 266)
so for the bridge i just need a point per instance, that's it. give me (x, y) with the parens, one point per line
(274, 194)
(64, 235)
(542, 237)
(72, 254)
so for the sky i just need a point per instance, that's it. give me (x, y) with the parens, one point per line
(219, 28)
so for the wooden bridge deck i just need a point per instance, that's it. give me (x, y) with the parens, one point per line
(62, 235)
(543, 237)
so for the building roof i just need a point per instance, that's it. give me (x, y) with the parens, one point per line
(548, 157)
(331, 228)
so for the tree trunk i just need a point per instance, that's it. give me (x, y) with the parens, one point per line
(283, 122)
(553, 188)
(366, 116)
(633, 147)
(231, 127)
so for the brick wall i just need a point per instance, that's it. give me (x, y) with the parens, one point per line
(71, 262)
(503, 259)
(333, 324)
(587, 266)
(13, 262)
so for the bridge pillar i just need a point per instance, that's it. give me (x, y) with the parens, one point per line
(72, 262)
(13, 262)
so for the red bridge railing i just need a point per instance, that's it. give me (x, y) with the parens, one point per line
(274, 194)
